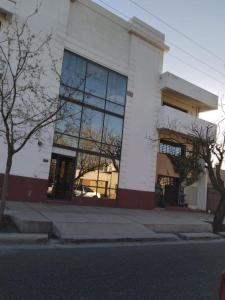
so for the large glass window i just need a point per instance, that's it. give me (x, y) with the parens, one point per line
(103, 88)
(92, 124)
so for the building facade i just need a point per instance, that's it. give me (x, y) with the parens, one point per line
(113, 151)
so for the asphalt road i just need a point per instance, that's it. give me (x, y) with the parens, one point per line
(187, 272)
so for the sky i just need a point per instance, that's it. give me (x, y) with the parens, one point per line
(202, 21)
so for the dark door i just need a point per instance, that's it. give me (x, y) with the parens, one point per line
(169, 190)
(61, 176)
(171, 194)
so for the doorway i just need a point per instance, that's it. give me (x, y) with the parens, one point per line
(61, 177)
(169, 187)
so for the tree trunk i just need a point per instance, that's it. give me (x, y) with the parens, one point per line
(219, 216)
(5, 185)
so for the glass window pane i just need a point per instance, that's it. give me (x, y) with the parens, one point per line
(69, 122)
(71, 93)
(118, 109)
(112, 133)
(98, 102)
(117, 85)
(109, 174)
(73, 71)
(89, 145)
(65, 140)
(111, 151)
(96, 80)
(86, 176)
(102, 187)
(111, 194)
(92, 123)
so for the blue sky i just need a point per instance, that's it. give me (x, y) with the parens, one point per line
(201, 20)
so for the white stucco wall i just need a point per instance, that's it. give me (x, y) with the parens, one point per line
(98, 35)
(89, 30)
(51, 18)
(138, 163)
(105, 39)
(196, 194)
(130, 48)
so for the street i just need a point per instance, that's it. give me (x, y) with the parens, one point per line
(164, 271)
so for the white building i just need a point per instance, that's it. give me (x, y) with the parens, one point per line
(123, 100)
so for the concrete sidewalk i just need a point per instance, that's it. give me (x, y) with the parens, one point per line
(88, 224)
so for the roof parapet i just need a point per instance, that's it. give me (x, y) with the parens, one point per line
(147, 33)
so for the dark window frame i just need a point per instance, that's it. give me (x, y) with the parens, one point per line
(169, 145)
(105, 112)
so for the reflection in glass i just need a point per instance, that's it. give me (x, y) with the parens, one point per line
(69, 119)
(115, 108)
(86, 177)
(111, 151)
(96, 80)
(99, 175)
(117, 85)
(112, 133)
(92, 124)
(65, 140)
(70, 93)
(108, 173)
(94, 101)
(111, 194)
(89, 145)
(73, 71)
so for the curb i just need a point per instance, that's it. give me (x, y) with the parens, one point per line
(199, 236)
(37, 226)
(21, 238)
(180, 228)
(159, 238)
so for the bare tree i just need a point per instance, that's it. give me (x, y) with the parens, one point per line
(211, 150)
(207, 151)
(188, 165)
(27, 103)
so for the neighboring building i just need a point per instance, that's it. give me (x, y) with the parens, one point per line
(122, 103)
(213, 196)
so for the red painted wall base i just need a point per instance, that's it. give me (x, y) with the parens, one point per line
(135, 199)
(34, 190)
(26, 188)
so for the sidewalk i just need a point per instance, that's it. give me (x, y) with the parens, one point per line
(96, 224)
